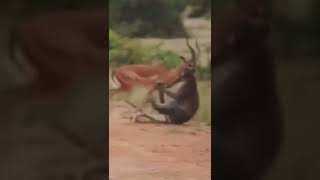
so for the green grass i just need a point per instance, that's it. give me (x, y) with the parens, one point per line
(124, 50)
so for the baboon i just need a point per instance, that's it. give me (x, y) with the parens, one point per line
(132, 75)
(185, 100)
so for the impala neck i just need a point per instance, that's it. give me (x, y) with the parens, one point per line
(174, 74)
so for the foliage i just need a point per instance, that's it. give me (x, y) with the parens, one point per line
(201, 8)
(204, 72)
(139, 18)
(123, 50)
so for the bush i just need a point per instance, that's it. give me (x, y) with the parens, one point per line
(140, 18)
(201, 8)
(204, 73)
(123, 50)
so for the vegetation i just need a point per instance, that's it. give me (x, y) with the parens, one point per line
(201, 8)
(143, 18)
(123, 50)
(140, 18)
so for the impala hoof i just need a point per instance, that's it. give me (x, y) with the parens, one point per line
(136, 119)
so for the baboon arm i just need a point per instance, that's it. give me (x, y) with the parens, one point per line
(170, 93)
(164, 108)
(162, 90)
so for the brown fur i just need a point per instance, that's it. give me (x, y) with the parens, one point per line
(185, 100)
(146, 75)
(185, 104)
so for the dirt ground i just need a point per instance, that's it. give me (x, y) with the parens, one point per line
(157, 152)
(162, 152)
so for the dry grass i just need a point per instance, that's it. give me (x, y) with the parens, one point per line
(204, 112)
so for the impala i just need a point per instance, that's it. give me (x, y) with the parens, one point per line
(185, 100)
(147, 75)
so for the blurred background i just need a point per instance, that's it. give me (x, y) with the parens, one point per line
(144, 31)
(153, 31)
(295, 44)
(31, 145)
(140, 31)
(148, 32)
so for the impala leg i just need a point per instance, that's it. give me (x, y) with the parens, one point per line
(142, 114)
(148, 97)
(114, 92)
(145, 102)
(161, 90)
(158, 87)
(152, 119)
(167, 120)
(111, 93)
(136, 109)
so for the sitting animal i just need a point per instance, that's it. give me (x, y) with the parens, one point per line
(185, 101)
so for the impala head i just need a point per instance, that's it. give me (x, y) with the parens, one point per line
(189, 66)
